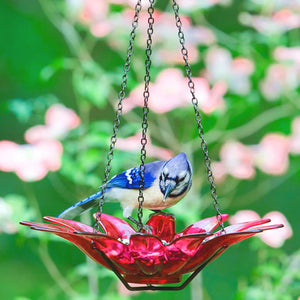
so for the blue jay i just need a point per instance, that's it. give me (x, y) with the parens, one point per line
(166, 182)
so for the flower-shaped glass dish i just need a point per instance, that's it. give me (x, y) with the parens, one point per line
(157, 258)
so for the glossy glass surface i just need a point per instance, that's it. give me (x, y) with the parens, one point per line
(157, 258)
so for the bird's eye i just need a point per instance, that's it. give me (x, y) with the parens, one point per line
(181, 179)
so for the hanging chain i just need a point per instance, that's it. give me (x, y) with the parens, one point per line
(198, 116)
(146, 95)
(121, 97)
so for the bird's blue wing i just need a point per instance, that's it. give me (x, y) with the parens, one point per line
(130, 179)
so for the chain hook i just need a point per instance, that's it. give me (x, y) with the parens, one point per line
(119, 109)
(146, 95)
(198, 116)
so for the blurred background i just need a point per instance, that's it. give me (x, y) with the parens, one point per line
(61, 64)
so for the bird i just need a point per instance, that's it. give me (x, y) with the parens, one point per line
(165, 183)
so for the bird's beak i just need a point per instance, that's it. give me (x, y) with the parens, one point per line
(168, 190)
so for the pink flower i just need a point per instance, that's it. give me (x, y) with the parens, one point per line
(94, 13)
(212, 99)
(279, 80)
(237, 159)
(8, 151)
(278, 23)
(282, 77)
(35, 161)
(31, 162)
(61, 117)
(274, 240)
(288, 54)
(133, 143)
(6, 218)
(219, 171)
(165, 39)
(295, 137)
(220, 66)
(271, 155)
(170, 90)
(165, 93)
(59, 120)
(195, 4)
(242, 215)
(184, 4)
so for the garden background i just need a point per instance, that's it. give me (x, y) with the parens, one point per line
(61, 64)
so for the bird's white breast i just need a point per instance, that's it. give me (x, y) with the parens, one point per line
(153, 198)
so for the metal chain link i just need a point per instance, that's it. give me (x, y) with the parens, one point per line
(121, 97)
(146, 95)
(198, 116)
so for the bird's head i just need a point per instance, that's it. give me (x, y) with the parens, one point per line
(176, 176)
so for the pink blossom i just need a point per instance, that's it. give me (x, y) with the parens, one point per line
(59, 120)
(220, 66)
(277, 240)
(274, 240)
(6, 213)
(34, 161)
(280, 79)
(271, 155)
(242, 215)
(133, 143)
(195, 4)
(8, 151)
(184, 4)
(95, 14)
(165, 39)
(170, 90)
(165, 93)
(31, 162)
(288, 54)
(295, 137)
(278, 4)
(238, 160)
(210, 99)
(278, 23)
(284, 76)
(38, 133)
(131, 3)
(219, 171)
(61, 117)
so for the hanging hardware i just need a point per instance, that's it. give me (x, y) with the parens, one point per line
(118, 113)
(146, 95)
(198, 116)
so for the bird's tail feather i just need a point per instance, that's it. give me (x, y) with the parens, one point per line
(80, 207)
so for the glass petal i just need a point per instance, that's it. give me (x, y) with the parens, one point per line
(148, 253)
(115, 227)
(214, 245)
(71, 224)
(204, 225)
(163, 226)
(45, 227)
(243, 226)
(180, 251)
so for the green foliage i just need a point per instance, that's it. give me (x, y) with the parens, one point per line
(49, 55)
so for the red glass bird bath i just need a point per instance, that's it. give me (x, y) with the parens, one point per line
(158, 258)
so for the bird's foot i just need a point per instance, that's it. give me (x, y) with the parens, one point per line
(143, 227)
